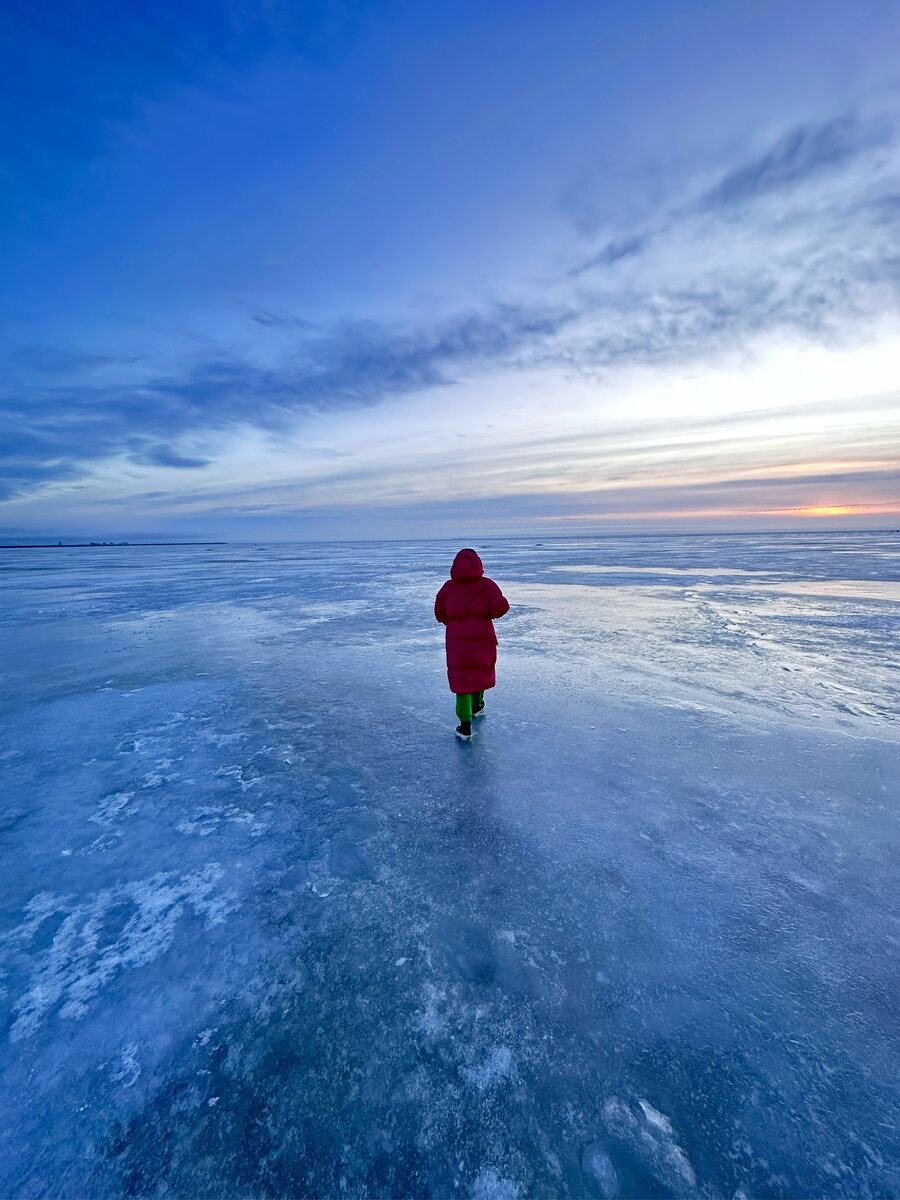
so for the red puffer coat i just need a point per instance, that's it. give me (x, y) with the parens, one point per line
(465, 604)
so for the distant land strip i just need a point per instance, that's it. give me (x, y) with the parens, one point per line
(98, 545)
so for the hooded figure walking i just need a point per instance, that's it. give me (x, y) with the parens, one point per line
(467, 605)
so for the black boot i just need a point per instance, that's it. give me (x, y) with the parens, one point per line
(478, 709)
(464, 731)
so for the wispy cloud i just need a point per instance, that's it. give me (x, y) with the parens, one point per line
(355, 366)
(56, 360)
(800, 155)
(165, 456)
(272, 320)
(709, 276)
(845, 152)
(613, 252)
(756, 459)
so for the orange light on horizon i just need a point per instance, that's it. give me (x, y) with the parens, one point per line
(884, 508)
(830, 510)
(841, 510)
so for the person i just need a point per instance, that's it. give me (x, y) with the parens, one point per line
(467, 605)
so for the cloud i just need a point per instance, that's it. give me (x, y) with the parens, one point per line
(822, 268)
(614, 252)
(359, 364)
(483, 508)
(355, 366)
(273, 320)
(738, 453)
(20, 475)
(165, 456)
(843, 151)
(55, 360)
(800, 154)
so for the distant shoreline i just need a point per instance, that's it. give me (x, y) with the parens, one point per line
(539, 538)
(99, 545)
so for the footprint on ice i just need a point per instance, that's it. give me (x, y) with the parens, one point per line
(361, 825)
(468, 948)
(347, 860)
(649, 1135)
(294, 877)
(515, 975)
(597, 1163)
(345, 856)
(342, 790)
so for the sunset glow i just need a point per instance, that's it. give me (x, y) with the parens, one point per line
(831, 510)
(842, 510)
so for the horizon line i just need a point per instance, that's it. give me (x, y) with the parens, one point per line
(540, 537)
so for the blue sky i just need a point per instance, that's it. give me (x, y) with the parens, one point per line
(284, 270)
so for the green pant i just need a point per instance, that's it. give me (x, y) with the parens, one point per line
(466, 702)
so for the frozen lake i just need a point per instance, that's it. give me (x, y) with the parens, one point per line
(269, 930)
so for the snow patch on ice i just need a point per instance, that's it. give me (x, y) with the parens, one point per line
(112, 807)
(221, 740)
(159, 775)
(488, 1185)
(432, 1019)
(86, 953)
(129, 1068)
(210, 820)
(245, 776)
(496, 1066)
(693, 572)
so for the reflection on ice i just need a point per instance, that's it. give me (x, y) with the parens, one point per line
(269, 930)
(599, 568)
(862, 589)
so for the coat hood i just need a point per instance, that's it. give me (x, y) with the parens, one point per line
(466, 566)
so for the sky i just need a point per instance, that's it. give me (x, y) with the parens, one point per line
(275, 270)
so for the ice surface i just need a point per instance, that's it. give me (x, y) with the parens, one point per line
(269, 929)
